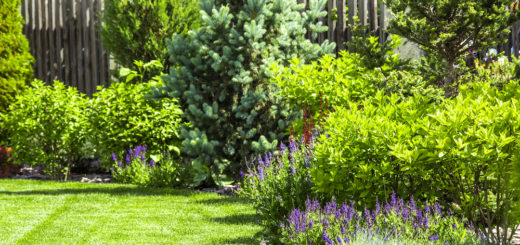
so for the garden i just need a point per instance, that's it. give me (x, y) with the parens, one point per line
(317, 144)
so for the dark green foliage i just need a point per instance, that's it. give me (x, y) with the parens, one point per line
(222, 79)
(15, 59)
(374, 54)
(449, 29)
(136, 29)
(122, 118)
(47, 125)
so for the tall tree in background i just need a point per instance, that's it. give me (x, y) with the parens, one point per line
(449, 29)
(137, 29)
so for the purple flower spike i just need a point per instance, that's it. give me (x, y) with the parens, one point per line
(326, 239)
(241, 174)
(339, 240)
(310, 224)
(119, 164)
(152, 163)
(114, 157)
(128, 159)
(437, 208)
(434, 237)
(261, 173)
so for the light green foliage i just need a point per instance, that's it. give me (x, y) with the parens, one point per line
(356, 161)
(222, 78)
(448, 29)
(121, 117)
(136, 29)
(15, 59)
(463, 151)
(46, 125)
(342, 80)
(472, 144)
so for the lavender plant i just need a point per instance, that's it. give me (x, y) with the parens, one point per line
(389, 222)
(279, 182)
(141, 169)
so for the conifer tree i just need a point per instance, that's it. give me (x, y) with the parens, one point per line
(222, 78)
(449, 30)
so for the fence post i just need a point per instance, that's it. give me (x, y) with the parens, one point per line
(341, 25)
(352, 10)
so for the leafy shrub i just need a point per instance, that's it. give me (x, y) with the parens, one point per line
(222, 79)
(278, 183)
(356, 161)
(462, 151)
(121, 117)
(47, 125)
(136, 29)
(396, 220)
(15, 59)
(139, 168)
(342, 80)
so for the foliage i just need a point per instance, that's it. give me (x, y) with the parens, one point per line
(121, 117)
(222, 79)
(333, 224)
(356, 161)
(462, 151)
(471, 145)
(15, 59)
(136, 29)
(449, 29)
(47, 126)
(374, 54)
(139, 168)
(340, 81)
(278, 183)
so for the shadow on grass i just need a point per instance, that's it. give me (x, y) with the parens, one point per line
(256, 239)
(225, 200)
(236, 219)
(116, 191)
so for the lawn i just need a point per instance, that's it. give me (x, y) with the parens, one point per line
(46, 212)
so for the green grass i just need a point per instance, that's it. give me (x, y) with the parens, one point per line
(45, 212)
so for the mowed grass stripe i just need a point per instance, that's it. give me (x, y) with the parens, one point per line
(78, 213)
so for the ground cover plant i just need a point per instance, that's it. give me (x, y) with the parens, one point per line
(139, 168)
(389, 221)
(47, 212)
(222, 79)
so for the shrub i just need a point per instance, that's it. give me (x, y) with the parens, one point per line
(463, 151)
(121, 117)
(47, 126)
(15, 59)
(136, 29)
(342, 80)
(394, 222)
(448, 29)
(356, 161)
(139, 168)
(222, 79)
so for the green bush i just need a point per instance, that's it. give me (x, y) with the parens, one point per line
(342, 80)
(139, 168)
(136, 29)
(356, 161)
(222, 79)
(47, 125)
(463, 151)
(15, 59)
(121, 117)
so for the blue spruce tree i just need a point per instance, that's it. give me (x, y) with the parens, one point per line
(222, 80)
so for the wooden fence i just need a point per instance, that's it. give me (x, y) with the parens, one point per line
(64, 41)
